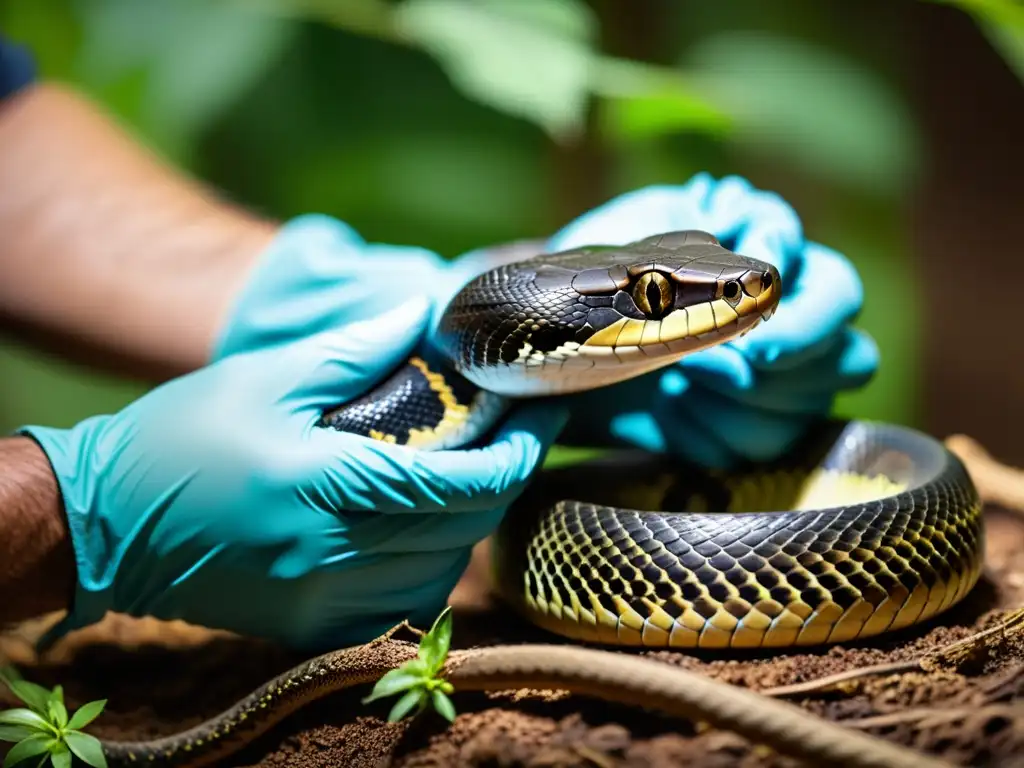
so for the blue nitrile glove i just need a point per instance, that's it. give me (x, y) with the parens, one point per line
(319, 273)
(752, 398)
(748, 399)
(214, 499)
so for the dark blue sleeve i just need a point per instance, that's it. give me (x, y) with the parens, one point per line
(17, 68)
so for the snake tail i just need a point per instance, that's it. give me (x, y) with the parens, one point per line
(655, 686)
(624, 679)
(223, 735)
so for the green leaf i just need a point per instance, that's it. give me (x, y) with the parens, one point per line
(33, 745)
(35, 696)
(1002, 21)
(172, 47)
(417, 666)
(60, 756)
(27, 718)
(88, 748)
(16, 732)
(435, 644)
(56, 711)
(417, 697)
(86, 714)
(854, 132)
(394, 681)
(443, 704)
(643, 100)
(532, 59)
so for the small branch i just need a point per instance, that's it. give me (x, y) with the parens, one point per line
(836, 680)
(997, 483)
(932, 716)
(952, 656)
(955, 654)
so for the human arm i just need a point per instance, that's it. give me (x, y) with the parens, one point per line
(110, 256)
(108, 252)
(37, 565)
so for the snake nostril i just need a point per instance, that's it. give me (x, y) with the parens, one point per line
(766, 281)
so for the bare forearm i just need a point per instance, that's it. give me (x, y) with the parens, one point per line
(105, 246)
(37, 566)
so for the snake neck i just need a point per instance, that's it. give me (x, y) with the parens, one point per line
(425, 404)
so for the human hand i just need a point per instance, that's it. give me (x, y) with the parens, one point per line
(747, 399)
(214, 499)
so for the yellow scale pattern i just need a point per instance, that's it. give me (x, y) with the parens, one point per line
(724, 580)
(455, 413)
(284, 694)
(696, 326)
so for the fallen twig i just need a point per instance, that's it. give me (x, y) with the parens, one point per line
(836, 681)
(954, 655)
(932, 716)
(997, 483)
(951, 656)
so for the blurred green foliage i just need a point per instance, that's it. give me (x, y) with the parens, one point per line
(1002, 21)
(455, 123)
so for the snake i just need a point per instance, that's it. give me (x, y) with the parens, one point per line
(861, 528)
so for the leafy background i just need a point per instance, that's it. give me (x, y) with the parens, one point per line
(455, 123)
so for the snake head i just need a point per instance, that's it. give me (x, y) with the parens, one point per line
(598, 315)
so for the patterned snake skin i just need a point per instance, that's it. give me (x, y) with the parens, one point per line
(863, 529)
(900, 542)
(860, 531)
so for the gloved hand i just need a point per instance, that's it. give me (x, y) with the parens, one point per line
(215, 500)
(748, 399)
(317, 274)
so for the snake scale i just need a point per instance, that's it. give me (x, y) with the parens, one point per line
(863, 528)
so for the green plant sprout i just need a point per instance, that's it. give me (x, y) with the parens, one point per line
(419, 677)
(43, 728)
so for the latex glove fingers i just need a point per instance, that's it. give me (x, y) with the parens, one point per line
(318, 273)
(347, 472)
(361, 474)
(301, 381)
(343, 619)
(824, 297)
(376, 535)
(341, 601)
(848, 364)
(718, 433)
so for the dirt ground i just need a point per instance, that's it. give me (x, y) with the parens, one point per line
(160, 678)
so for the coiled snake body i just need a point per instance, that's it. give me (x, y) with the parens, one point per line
(864, 528)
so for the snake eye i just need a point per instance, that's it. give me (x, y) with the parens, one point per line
(653, 294)
(732, 291)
